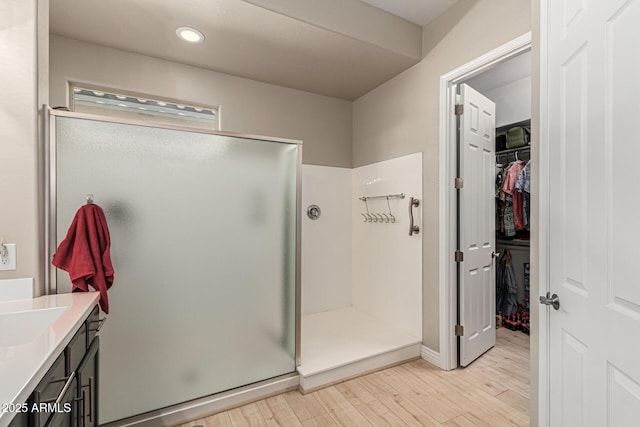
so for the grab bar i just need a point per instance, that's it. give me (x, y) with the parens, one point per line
(413, 229)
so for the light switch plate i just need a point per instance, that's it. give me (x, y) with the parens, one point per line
(8, 262)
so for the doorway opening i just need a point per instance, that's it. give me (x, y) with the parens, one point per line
(474, 73)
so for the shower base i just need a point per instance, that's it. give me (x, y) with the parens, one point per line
(346, 342)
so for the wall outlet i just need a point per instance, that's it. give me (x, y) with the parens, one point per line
(8, 257)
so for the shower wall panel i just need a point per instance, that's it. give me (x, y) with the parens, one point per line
(387, 262)
(326, 242)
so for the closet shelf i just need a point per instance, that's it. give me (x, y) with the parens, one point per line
(514, 242)
(514, 150)
(504, 128)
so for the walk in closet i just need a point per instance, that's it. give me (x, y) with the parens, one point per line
(513, 202)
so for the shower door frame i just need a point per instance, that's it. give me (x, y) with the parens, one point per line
(50, 280)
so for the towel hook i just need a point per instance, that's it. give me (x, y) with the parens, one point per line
(393, 218)
(89, 198)
(369, 217)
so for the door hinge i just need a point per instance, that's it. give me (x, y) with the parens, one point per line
(459, 256)
(459, 330)
(458, 183)
(459, 109)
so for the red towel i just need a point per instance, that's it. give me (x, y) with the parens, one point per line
(85, 255)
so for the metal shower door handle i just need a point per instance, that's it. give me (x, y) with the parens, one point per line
(553, 300)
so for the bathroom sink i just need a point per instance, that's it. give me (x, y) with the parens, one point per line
(22, 327)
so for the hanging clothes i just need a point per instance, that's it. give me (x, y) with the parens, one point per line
(523, 186)
(510, 179)
(506, 285)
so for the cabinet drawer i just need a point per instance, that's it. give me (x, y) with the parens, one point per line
(93, 324)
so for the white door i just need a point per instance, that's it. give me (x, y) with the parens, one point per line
(476, 227)
(593, 55)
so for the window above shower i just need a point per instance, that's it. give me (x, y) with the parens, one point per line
(105, 102)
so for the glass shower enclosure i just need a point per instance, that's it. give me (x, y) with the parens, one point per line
(205, 245)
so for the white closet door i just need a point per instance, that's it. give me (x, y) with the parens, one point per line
(477, 275)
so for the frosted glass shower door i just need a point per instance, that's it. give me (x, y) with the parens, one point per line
(203, 232)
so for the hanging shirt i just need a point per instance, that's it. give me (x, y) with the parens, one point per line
(523, 185)
(509, 188)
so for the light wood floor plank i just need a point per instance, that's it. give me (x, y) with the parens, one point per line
(406, 411)
(460, 421)
(305, 406)
(380, 415)
(323, 420)
(516, 400)
(342, 412)
(374, 384)
(493, 391)
(277, 412)
(248, 415)
(433, 405)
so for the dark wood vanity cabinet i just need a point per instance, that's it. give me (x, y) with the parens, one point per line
(67, 396)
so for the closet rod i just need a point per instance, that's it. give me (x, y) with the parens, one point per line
(390, 196)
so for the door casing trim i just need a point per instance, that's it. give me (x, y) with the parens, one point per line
(447, 195)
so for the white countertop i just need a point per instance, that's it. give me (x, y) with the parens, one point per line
(24, 364)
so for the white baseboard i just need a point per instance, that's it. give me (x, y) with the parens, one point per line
(200, 408)
(430, 356)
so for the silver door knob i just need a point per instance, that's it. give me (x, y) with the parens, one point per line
(553, 300)
(495, 254)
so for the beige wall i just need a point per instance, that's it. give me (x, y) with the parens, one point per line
(246, 106)
(21, 34)
(402, 116)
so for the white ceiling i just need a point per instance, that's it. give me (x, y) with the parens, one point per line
(339, 48)
(420, 12)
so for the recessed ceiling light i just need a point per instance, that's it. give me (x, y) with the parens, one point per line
(190, 34)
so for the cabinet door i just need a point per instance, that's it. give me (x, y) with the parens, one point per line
(87, 381)
(50, 389)
(20, 420)
(65, 408)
